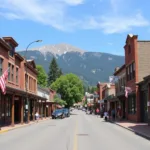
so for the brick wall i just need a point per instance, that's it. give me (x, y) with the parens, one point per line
(143, 59)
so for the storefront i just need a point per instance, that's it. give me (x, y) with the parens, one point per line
(144, 96)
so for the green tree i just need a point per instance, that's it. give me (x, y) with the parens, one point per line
(54, 72)
(70, 87)
(93, 89)
(59, 101)
(42, 76)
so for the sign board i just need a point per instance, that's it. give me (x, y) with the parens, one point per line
(96, 96)
(148, 103)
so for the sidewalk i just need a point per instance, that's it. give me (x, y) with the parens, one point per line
(8, 128)
(141, 129)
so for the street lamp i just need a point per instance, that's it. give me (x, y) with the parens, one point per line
(26, 80)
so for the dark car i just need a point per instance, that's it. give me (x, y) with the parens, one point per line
(66, 112)
(58, 113)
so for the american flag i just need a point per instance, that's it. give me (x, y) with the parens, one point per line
(113, 79)
(3, 79)
(127, 91)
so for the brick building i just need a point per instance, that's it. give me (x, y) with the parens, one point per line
(13, 106)
(109, 96)
(137, 54)
(120, 89)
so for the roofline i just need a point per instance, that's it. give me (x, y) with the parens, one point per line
(8, 37)
(19, 56)
(120, 69)
(4, 44)
(143, 41)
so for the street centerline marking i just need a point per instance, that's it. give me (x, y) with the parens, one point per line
(75, 146)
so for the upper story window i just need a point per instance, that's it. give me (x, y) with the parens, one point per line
(26, 82)
(1, 66)
(9, 69)
(17, 73)
(130, 71)
(129, 49)
(12, 73)
(12, 51)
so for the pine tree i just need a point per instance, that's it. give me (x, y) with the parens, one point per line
(54, 72)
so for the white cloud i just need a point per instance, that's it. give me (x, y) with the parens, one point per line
(55, 13)
(116, 24)
(110, 43)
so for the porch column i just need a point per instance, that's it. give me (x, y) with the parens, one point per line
(33, 113)
(148, 105)
(41, 109)
(28, 119)
(12, 111)
(22, 110)
(50, 110)
(45, 110)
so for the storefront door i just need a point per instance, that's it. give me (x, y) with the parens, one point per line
(144, 108)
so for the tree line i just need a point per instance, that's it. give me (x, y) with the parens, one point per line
(69, 86)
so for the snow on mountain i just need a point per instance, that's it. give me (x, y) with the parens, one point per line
(58, 49)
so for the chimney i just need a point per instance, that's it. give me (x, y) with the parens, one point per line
(117, 68)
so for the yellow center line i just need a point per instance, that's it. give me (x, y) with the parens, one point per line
(75, 142)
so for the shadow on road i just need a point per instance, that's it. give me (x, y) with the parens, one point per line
(73, 114)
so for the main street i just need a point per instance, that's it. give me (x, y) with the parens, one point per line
(78, 132)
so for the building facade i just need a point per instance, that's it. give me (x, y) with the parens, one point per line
(20, 102)
(120, 89)
(137, 54)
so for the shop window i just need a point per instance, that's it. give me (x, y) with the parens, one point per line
(1, 66)
(132, 104)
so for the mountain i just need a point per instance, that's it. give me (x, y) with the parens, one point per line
(91, 67)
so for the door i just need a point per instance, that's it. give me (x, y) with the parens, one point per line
(144, 108)
(124, 107)
(17, 111)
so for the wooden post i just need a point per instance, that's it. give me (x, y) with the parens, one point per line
(50, 110)
(45, 110)
(33, 110)
(12, 111)
(28, 119)
(22, 110)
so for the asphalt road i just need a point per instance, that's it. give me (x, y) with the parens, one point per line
(78, 132)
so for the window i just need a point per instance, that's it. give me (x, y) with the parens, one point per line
(132, 104)
(12, 73)
(130, 74)
(129, 49)
(130, 71)
(9, 65)
(11, 52)
(17, 72)
(1, 66)
(26, 82)
(133, 69)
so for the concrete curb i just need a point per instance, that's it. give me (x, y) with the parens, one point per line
(24, 125)
(134, 131)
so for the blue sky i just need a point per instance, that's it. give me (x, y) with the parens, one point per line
(92, 25)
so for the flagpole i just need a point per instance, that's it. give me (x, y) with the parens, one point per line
(26, 81)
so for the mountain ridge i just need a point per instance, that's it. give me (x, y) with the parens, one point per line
(91, 67)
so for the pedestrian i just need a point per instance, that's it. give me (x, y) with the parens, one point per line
(37, 116)
(97, 112)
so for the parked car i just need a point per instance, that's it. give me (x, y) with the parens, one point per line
(58, 113)
(66, 112)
